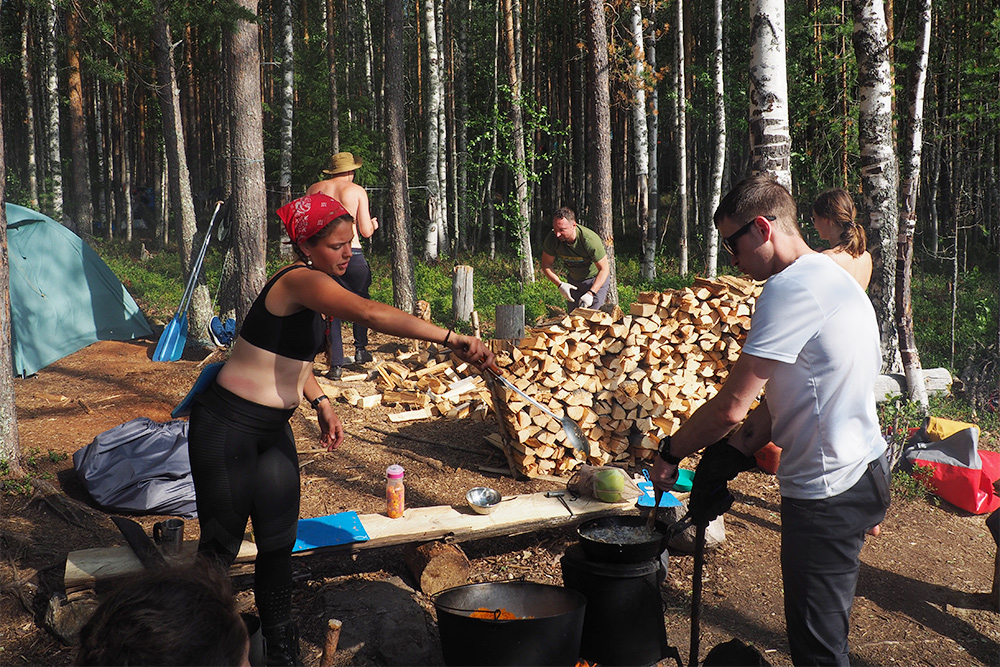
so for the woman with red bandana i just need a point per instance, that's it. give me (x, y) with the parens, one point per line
(243, 458)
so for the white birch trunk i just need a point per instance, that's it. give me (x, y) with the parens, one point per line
(879, 168)
(431, 241)
(641, 132)
(366, 39)
(29, 120)
(770, 139)
(54, 157)
(682, 193)
(719, 159)
(287, 100)
(442, 120)
(908, 214)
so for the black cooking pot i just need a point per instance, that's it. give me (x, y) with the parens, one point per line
(637, 544)
(546, 631)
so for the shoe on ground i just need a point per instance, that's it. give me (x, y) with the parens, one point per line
(216, 331)
(335, 372)
(362, 356)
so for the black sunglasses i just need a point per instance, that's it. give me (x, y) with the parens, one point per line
(730, 241)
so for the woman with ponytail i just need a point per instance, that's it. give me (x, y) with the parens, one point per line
(833, 217)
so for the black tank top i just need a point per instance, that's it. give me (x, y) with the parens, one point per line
(299, 336)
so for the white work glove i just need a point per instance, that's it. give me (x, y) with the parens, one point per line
(566, 290)
(587, 300)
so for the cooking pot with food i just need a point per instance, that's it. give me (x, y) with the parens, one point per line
(623, 539)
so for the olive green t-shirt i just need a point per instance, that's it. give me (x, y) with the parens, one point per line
(578, 257)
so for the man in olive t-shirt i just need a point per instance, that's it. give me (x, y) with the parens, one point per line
(583, 257)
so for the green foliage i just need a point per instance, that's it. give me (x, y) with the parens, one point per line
(912, 485)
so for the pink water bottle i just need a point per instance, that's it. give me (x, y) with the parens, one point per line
(394, 492)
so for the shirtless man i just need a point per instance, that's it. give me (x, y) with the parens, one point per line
(358, 277)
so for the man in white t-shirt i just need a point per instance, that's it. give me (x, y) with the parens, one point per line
(814, 343)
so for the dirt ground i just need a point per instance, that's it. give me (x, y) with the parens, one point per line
(921, 598)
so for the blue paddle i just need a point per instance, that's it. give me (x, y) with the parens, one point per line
(170, 347)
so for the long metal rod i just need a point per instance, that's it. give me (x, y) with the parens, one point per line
(699, 562)
(507, 383)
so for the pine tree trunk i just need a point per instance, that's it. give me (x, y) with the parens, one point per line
(511, 32)
(463, 11)
(10, 445)
(121, 162)
(879, 171)
(719, 158)
(770, 139)
(908, 214)
(54, 157)
(249, 199)
(403, 282)
(599, 98)
(82, 208)
(653, 122)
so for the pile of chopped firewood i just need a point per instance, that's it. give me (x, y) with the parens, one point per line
(627, 380)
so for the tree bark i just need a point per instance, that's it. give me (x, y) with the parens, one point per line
(287, 100)
(770, 139)
(653, 122)
(879, 169)
(681, 118)
(181, 203)
(599, 98)
(54, 157)
(719, 158)
(435, 205)
(908, 213)
(640, 132)
(249, 199)
(29, 119)
(10, 445)
(512, 39)
(331, 61)
(403, 282)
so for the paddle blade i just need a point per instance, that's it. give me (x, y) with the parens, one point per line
(182, 334)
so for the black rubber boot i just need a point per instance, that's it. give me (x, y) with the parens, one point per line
(281, 644)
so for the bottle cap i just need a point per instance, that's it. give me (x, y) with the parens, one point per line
(394, 471)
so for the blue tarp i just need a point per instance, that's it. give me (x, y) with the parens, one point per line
(63, 297)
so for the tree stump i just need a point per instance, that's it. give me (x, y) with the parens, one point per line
(437, 566)
(510, 321)
(462, 294)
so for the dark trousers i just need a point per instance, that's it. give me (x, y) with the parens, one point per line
(582, 287)
(244, 465)
(357, 278)
(821, 543)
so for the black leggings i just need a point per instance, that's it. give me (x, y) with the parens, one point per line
(244, 465)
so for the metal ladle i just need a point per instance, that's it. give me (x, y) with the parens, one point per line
(574, 434)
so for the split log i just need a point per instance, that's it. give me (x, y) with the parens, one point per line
(437, 565)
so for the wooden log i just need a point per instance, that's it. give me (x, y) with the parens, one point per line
(330, 645)
(437, 565)
(510, 321)
(462, 294)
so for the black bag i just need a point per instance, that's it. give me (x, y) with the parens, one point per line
(140, 466)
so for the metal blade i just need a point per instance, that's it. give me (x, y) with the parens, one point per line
(144, 549)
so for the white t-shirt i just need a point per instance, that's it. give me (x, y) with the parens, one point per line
(815, 319)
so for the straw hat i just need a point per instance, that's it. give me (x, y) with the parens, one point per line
(342, 163)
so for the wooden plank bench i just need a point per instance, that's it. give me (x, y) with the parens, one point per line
(453, 523)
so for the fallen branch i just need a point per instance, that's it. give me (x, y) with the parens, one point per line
(434, 463)
(426, 442)
(68, 509)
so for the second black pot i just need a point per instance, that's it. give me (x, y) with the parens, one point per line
(613, 552)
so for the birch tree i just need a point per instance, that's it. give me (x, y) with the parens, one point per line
(403, 282)
(913, 141)
(653, 131)
(719, 158)
(599, 98)
(54, 157)
(436, 217)
(681, 117)
(249, 198)
(331, 61)
(879, 169)
(641, 137)
(29, 119)
(287, 56)
(770, 138)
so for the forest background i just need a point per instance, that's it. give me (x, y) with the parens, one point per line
(475, 120)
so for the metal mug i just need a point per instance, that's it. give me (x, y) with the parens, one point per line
(169, 535)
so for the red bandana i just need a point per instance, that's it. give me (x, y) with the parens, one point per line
(307, 215)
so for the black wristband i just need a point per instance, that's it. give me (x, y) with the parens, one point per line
(447, 336)
(665, 452)
(319, 399)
